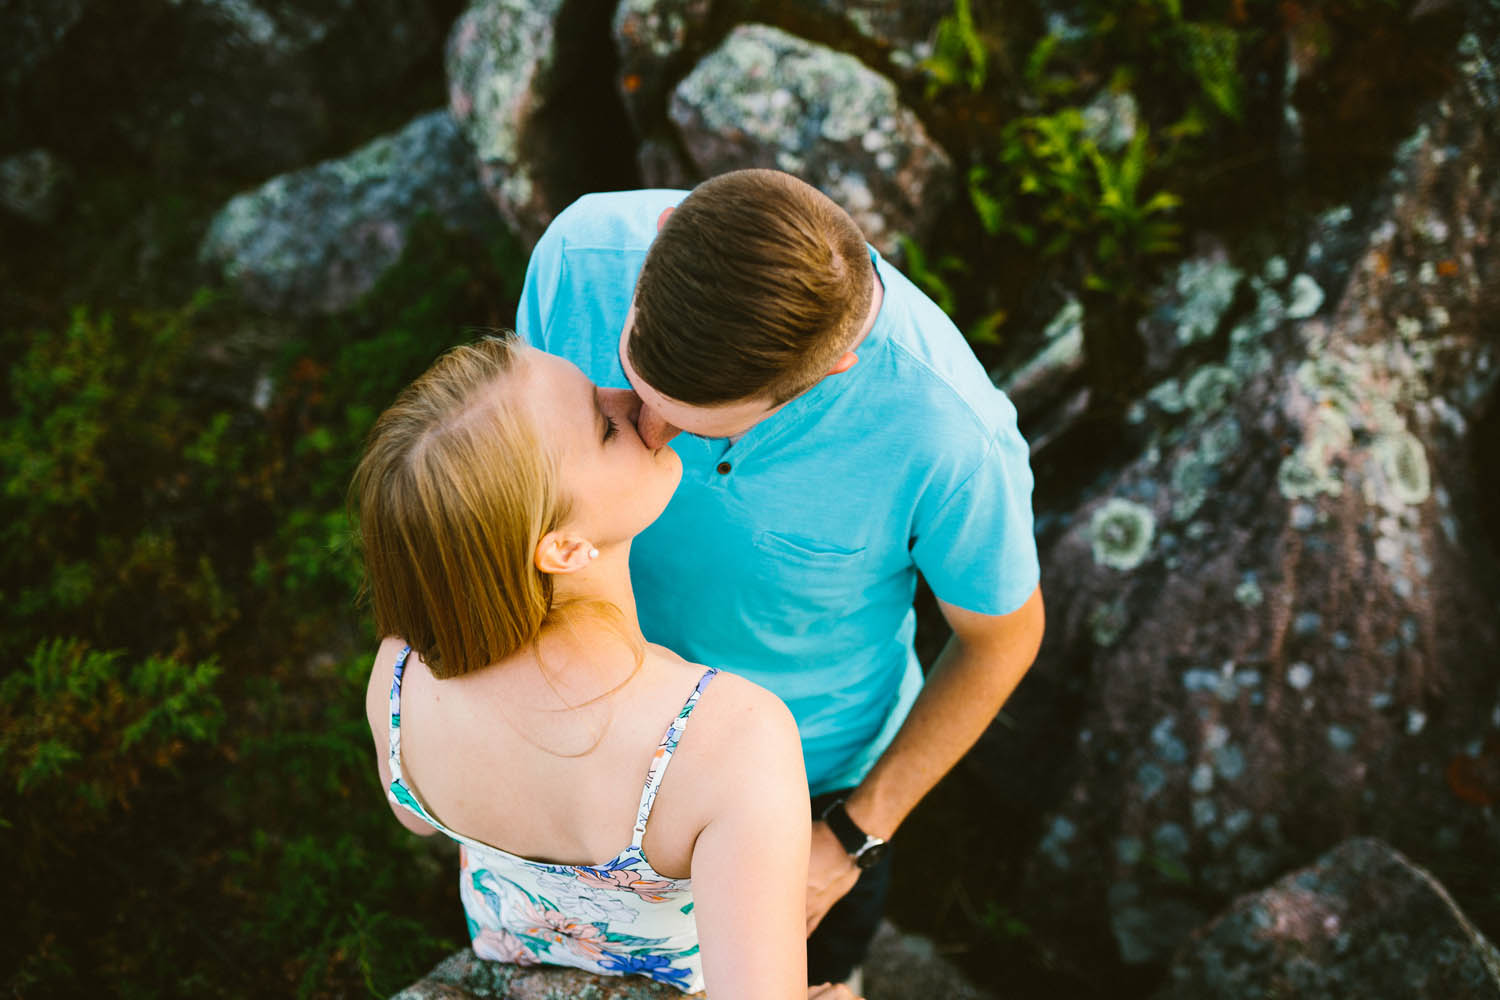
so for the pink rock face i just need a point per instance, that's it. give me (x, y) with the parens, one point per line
(1307, 639)
(464, 975)
(1362, 921)
(528, 82)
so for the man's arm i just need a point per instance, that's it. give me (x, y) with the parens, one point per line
(979, 667)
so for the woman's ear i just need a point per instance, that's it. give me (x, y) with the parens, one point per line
(560, 552)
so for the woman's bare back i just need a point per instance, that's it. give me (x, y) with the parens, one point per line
(499, 756)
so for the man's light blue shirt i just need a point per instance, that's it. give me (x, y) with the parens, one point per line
(790, 556)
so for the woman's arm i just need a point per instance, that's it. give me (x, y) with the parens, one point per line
(750, 860)
(378, 714)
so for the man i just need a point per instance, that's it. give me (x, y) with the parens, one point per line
(840, 438)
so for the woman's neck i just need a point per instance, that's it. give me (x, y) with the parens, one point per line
(606, 579)
(584, 658)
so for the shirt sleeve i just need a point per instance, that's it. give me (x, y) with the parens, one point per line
(975, 546)
(543, 271)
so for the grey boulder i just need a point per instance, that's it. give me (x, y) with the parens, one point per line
(765, 98)
(313, 241)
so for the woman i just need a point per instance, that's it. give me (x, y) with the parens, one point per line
(516, 707)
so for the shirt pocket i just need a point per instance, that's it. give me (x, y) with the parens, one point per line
(804, 585)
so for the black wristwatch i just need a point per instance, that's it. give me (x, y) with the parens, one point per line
(866, 850)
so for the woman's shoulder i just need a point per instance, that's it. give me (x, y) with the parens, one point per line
(735, 717)
(732, 690)
(377, 691)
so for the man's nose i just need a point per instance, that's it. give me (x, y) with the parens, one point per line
(653, 428)
(621, 402)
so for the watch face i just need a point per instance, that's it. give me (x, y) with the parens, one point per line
(872, 855)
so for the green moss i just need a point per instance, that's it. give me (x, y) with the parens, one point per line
(153, 507)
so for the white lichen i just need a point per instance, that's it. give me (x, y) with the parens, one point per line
(1206, 286)
(1209, 390)
(1107, 622)
(1403, 463)
(1220, 440)
(1305, 299)
(1167, 396)
(1416, 721)
(1121, 533)
(1192, 478)
(1296, 478)
(1249, 593)
(1229, 762)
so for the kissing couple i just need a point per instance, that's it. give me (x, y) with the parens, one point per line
(695, 486)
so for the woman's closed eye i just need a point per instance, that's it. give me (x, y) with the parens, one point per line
(611, 428)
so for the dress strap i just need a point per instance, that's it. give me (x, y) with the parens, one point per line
(393, 753)
(663, 757)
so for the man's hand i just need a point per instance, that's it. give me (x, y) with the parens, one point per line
(831, 873)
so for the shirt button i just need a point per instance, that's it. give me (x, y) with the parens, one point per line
(724, 468)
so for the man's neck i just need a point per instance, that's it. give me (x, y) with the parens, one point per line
(877, 296)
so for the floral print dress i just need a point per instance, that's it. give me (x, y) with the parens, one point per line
(616, 918)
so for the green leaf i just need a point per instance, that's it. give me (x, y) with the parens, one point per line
(987, 330)
(1213, 58)
(987, 207)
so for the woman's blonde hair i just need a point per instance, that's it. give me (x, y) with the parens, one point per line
(454, 491)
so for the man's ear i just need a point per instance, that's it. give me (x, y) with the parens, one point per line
(560, 552)
(844, 363)
(661, 220)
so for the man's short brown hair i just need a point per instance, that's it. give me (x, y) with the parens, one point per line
(754, 287)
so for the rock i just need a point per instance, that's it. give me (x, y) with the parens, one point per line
(907, 967)
(501, 63)
(900, 967)
(314, 241)
(33, 29)
(1274, 625)
(32, 184)
(659, 41)
(1189, 306)
(531, 83)
(241, 86)
(465, 976)
(1038, 381)
(767, 99)
(1362, 921)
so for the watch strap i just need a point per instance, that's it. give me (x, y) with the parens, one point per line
(853, 839)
